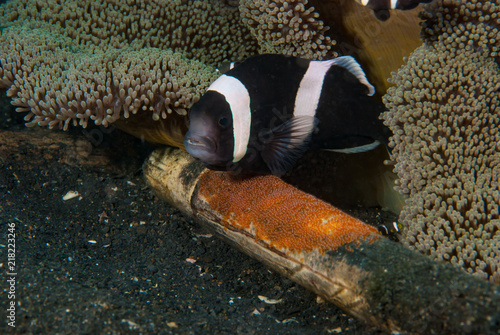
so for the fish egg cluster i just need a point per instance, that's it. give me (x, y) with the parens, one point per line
(445, 115)
(279, 214)
(288, 27)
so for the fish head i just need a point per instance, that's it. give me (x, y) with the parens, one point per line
(210, 134)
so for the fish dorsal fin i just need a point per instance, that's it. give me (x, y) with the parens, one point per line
(351, 65)
(225, 67)
(287, 143)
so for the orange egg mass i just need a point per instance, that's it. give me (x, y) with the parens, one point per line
(280, 214)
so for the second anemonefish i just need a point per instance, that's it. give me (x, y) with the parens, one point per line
(263, 114)
(382, 7)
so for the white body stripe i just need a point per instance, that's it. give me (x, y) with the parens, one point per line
(365, 3)
(238, 99)
(309, 92)
(311, 85)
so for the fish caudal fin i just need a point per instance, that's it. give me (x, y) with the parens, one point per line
(287, 143)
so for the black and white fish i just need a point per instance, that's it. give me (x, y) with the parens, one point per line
(262, 115)
(382, 7)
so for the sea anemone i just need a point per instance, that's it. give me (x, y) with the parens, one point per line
(445, 115)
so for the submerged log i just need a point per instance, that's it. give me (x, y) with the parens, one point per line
(329, 252)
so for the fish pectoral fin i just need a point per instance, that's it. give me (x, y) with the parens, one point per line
(287, 143)
(358, 149)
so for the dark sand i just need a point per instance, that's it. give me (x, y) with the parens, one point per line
(116, 259)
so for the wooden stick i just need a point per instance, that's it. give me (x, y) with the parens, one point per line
(337, 256)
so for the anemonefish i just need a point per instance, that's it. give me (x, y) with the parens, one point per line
(381, 7)
(264, 113)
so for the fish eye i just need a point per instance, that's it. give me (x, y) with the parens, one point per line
(223, 122)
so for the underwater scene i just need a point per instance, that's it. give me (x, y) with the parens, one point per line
(249, 167)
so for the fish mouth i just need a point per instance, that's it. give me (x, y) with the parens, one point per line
(200, 143)
(202, 148)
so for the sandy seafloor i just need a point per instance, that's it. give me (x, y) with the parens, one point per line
(119, 260)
